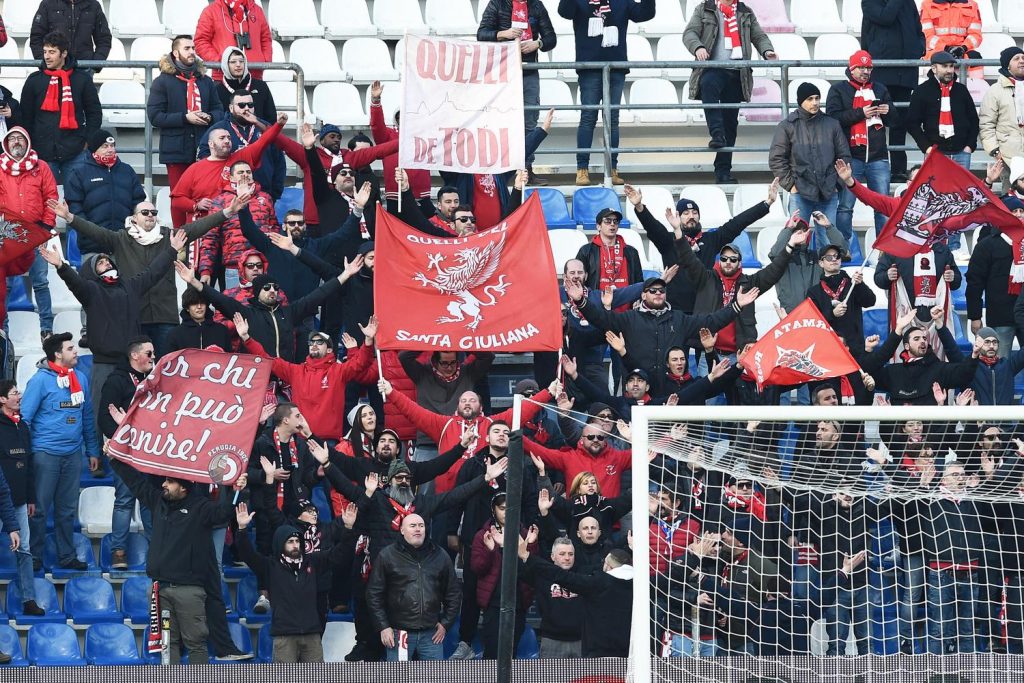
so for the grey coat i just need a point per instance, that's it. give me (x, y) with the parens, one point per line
(804, 152)
(702, 31)
(803, 271)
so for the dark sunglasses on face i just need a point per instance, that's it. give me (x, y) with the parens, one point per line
(254, 266)
(150, 354)
(267, 288)
(595, 437)
(448, 363)
(744, 485)
(317, 342)
(729, 259)
(297, 224)
(148, 212)
(604, 416)
(245, 105)
(655, 290)
(346, 173)
(610, 221)
(829, 257)
(466, 219)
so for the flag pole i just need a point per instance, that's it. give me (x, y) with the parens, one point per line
(862, 267)
(380, 372)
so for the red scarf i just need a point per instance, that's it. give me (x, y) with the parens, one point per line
(726, 342)
(401, 512)
(521, 19)
(58, 98)
(837, 294)
(863, 96)
(193, 98)
(293, 464)
(15, 417)
(925, 280)
(989, 361)
(694, 240)
(1016, 279)
(946, 127)
(846, 395)
(239, 9)
(486, 203)
(679, 379)
(614, 272)
(442, 223)
(13, 167)
(754, 505)
(67, 379)
(108, 159)
(732, 31)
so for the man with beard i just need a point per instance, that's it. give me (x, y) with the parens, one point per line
(705, 244)
(607, 259)
(910, 382)
(840, 297)
(179, 552)
(292, 576)
(382, 512)
(942, 113)
(318, 383)
(993, 382)
(414, 594)
(591, 454)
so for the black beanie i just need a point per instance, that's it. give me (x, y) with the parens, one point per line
(805, 90)
(1006, 55)
(97, 139)
(260, 280)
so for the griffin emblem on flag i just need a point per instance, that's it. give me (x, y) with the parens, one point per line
(474, 268)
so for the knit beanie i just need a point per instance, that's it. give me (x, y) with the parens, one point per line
(97, 139)
(805, 90)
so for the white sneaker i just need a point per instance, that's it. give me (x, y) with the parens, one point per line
(236, 657)
(463, 651)
(262, 605)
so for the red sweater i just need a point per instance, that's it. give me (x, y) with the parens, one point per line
(882, 203)
(446, 430)
(23, 197)
(607, 466)
(318, 386)
(205, 179)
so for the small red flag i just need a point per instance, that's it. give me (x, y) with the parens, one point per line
(943, 199)
(17, 238)
(801, 348)
(490, 291)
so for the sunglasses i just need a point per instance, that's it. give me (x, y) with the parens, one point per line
(829, 257)
(400, 477)
(605, 416)
(317, 342)
(267, 288)
(729, 259)
(245, 105)
(595, 437)
(655, 290)
(254, 266)
(744, 485)
(466, 219)
(610, 221)
(150, 354)
(346, 173)
(148, 212)
(297, 224)
(529, 393)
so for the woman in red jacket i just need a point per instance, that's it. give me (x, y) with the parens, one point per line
(239, 23)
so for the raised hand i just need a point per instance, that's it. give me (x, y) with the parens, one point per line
(283, 241)
(522, 177)
(371, 483)
(496, 469)
(401, 179)
(116, 414)
(938, 316)
(361, 197)
(851, 563)
(369, 330)
(574, 291)
(384, 387)
(564, 403)
(307, 136)
(376, 88)
(352, 267)
(239, 201)
(349, 515)
(488, 540)
(719, 369)
(635, 196)
(51, 256)
(844, 172)
(539, 464)
(60, 208)
(607, 297)
(625, 429)
(994, 171)
(799, 237)
(318, 451)
(468, 436)
(904, 321)
(178, 240)
(939, 393)
(531, 535)
(348, 341)
(544, 502)
(773, 192)
(672, 218)
(269, 468)
(707, 340)
(186, 275)
(670, 273)
(243, 516)
(569, 366)
(617, 341)
(267, 412)
(746, 297)
(549, 118)
(282, 118)
(241, 325)
(965, 398)
(794, 218)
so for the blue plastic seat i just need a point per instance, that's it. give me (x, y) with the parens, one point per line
(587, 201)
(225, 593)
(746, 248)
(46, 598)
(111, 645)
(54, 645)
(248, 594)
(959, 296)
(11, 644)
(291, 198)
(8, 563)
(856, 253)
(90, 600)
(135, 599)
(556, 213)
(529, 647)
(265, 645)
(323, 506)
(17, 295)
(961, 337)
(74, 254)
(137, 549)
(83, 551)
(240, 636)
(876, 321)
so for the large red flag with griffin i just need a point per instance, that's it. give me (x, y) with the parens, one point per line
(943, 199)
(17, 238)
(489, 291)
(801, 348)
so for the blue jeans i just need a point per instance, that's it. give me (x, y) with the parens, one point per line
(591, 92)
(951, 598)
(684, 646)
(531, 95)
(876, 175)
(962, 158)
(57, 485)
(420, 647)
(59, 168)
(124, 509)
(911, 591)
(25, 582)
(829, 207)
(721, 86)
(40, 293)
(851, 607)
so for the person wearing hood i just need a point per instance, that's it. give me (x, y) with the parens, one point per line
(82, 21)
(862, 108)
(942, 112)
(60, 107)
(840, 297)
(998, 120)
(803, 153)
(182, 103)
(318, 383)
(198, 329)
(136, 247)
(113, 301)
(236, 77)
(239, 23)
(26, 185)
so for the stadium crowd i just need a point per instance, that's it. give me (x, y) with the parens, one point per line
(741, 562)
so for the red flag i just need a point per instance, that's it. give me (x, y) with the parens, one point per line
(16, 239)
(801, 348)
(490, 291)
(195, 416)
(945, 198)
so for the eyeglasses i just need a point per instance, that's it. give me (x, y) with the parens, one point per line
(245, 105)
(257, 265)
(267, 288)
(610, 221)
(318, 342)
(148, 212)
(400, 477)
(655, 290)
(595, 437)
(605, 416)
(448, 363)
(829, 257)
(346, 173)
(297, 224)
(744, 485)
(729, 259)
(466, 219)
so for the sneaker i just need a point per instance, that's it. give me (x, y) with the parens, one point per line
(236, 657)
(119, 560)
(717, 142)
(262, 605)
(75, 564)
(31, 609)
(340, 609)
(358, 652)
(463, 651)
(535, 179)
(4, 658)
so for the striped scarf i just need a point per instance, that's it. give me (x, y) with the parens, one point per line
(946, 128)
(58, 98)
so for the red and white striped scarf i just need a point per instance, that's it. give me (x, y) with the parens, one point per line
(946, 111)
(15, 167)
(732, 30)
(521, 19)
(863, 96)
(193, 98)
(58, 97)
(1016, 279)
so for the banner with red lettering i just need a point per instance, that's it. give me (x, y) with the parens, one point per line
(494, 290)
(195, 416)
(801, 348)
(944, 198)
(17, 238)
(462, 106)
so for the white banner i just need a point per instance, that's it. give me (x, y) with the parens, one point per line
(462, 108)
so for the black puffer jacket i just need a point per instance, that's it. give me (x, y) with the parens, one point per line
(16, 460)
(840, 107)
(50, 141)
(988, 276)
(167, 107)
(804, 152)
(911, 383)
(118, 390)
(497, 16)
(81, 21)
(590, 254)
(413, 589)
(192, 335)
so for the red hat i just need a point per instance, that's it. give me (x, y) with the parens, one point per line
(860, 58)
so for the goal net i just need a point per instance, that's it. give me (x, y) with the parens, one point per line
(793, 543)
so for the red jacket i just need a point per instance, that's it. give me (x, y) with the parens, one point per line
(670, 540)
(486, 564)
(882, 203)
(216, 30)
(446, 430)
(419, 179)
(318, 386)
(607, 466)
(394, 373)
(225, 244)
(23, 196)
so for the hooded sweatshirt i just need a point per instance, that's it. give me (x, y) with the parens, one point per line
(262, 97)
(25, 186)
